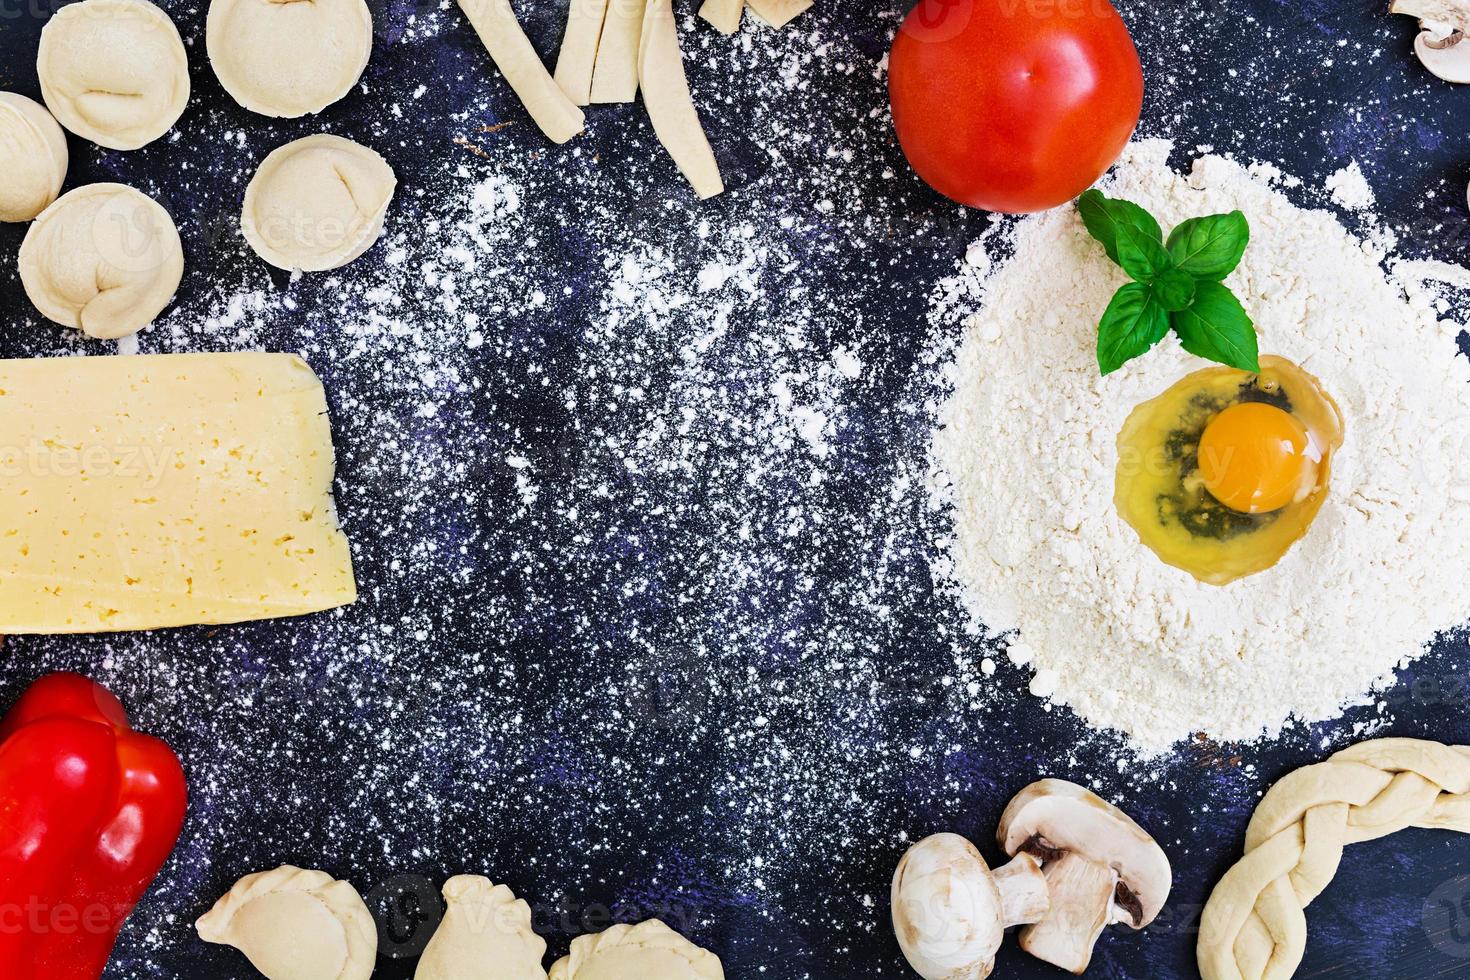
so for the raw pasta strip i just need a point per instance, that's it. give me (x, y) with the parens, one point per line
(779, 13)
(511, 50)
(615, 78)
(579, 49)
(723, 14)
(670, 106)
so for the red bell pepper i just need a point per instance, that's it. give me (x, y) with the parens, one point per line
(89, 811)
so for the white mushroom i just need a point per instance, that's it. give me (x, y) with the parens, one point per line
(950, 911)
(1441, 43)
(1101, 868)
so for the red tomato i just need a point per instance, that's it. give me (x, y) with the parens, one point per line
(1014, 105)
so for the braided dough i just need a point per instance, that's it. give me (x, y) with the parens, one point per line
(296, 925)
(104, 259)
(114, 71)
(33, 154)
(288, 58)
(647, 951)
(486, 935)
(1254, 927)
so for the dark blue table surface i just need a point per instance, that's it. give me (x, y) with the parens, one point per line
(721, 684)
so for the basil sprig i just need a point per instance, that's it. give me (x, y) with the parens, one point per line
(1176, 284)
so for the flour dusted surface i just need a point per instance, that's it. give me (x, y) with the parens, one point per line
(1026, 453)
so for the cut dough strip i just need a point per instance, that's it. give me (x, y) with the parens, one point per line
(615, 78)
(511, 50)
(779, 13)
(725, 15)
(670, 106)
(579, 49)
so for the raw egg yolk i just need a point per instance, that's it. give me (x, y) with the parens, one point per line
(1253, 456)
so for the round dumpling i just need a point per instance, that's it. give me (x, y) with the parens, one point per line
(33, 157)
(104, 258)
(287, 59)
(296, 925)
(317, 204)
(647, 951)
(114, 71)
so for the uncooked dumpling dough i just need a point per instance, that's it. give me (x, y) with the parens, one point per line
(104, 259)
(486, 935)
(288, 58)
(114, 71)
(317, 203)
(647, 951)
(296, 925)
(33, 158)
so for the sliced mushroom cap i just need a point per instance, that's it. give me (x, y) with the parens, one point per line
(1441, 44)
(1454, 12)
(1053, 816)
(1101, 868)
(1445, 51)
(950, 912)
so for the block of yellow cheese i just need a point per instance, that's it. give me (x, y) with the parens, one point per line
(146, 492)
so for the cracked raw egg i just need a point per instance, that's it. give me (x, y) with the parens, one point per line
(1224, 472)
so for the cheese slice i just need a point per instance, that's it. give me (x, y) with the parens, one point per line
(146, 492)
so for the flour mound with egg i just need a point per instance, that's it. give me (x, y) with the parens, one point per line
(1026, 452)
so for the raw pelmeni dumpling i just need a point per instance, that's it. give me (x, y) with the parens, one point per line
(296, 925)
(486, 935)
(104, 259)
(647, 951)
(114, 71)
(317, 204)
(287, 59)
(33, 157)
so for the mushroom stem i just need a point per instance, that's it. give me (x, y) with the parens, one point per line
(1024, 895)
(1081, 908)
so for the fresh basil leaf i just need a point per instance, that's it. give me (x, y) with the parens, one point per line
(1174, 290)
(1104, 216)
(1132, 323)
(1217, 328)
(1210, 247)
(1141, 255)
(1093, 207)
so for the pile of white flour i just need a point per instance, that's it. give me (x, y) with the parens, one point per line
(1025, 457)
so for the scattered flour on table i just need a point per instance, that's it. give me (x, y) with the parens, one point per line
(1349, 188)
(1025, 454)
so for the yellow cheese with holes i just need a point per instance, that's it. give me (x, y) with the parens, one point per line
(146, 492)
